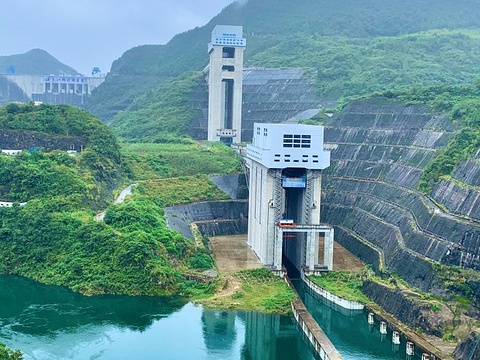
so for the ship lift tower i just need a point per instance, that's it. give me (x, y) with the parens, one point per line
(225, 82)
(285, 164)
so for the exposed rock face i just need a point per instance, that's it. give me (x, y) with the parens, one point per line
(23, 140)
(469, 349)
(379, 150)
(213, 218)
(406, 308)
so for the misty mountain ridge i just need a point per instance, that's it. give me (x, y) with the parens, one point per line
(354, 47)
(34, 62)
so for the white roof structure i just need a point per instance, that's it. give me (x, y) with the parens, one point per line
(228, 35)
(280, 146)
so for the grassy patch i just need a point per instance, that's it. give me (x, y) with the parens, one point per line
(183, 158)
(254, 290)
(181, 190)
(346, 285)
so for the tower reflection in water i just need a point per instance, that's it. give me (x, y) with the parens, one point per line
(266, 337)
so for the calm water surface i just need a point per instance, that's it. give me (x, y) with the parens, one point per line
(350, 332)
(50, 322)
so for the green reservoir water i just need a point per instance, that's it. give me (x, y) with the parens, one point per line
(350, 332)
(50, 322)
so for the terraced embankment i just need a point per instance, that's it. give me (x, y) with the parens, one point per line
(379, 149)
(269, 95)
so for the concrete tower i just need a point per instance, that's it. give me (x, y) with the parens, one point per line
(225, 79)
(285, 162)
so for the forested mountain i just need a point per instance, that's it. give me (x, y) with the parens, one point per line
(34, 62)
(353, 47)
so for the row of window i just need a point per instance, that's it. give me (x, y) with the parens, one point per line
(265, 131)
(287, 158)
(229, 42)
(297, 141)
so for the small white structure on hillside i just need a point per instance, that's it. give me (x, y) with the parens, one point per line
(10, 204)
(11, 152)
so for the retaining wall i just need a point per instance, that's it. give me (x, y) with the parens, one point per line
(346, 304)
(379, 150)
(11, 139)
(215, 217)
(315, 335)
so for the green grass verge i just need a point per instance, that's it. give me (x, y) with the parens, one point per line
(184, 158)
(260, 291)
(181, 190)
(344, 284)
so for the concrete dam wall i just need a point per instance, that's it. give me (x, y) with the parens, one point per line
(212, 218)
(379, 150)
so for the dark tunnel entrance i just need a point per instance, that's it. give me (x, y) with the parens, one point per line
(293, 243)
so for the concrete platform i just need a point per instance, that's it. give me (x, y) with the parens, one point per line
(342, 258)
(232, 253)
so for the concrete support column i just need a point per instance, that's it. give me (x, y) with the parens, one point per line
(328, 250)
(316, 248)
(277, 261)
(270, 232)
(310, 249)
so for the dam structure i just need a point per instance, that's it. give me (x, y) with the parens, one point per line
(225, 79)
(50, 89)
(285, 163)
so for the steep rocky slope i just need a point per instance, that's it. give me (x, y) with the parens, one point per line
(379, 149)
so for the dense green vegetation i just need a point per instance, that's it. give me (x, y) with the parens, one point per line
(55, 239)
(9, 354)
(160, 115)
(151, 161)
(462, 104)
(131, 253)
(349, 67)
(355, 47)
(34, 62)
(90, 175)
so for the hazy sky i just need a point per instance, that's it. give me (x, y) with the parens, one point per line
(88, 33)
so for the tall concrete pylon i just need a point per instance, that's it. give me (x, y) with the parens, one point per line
(225, 82)
(285, 163)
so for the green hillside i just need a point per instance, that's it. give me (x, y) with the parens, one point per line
(355, 47)
(34, 62)
(54, 238)
(91, 175)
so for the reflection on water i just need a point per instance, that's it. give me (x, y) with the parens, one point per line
(273, 337)
(49, 322)
(349, 330)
